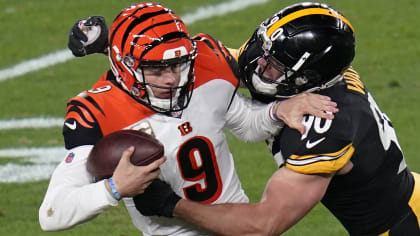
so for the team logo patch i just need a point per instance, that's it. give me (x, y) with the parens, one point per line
(185, 128)
(69, 157)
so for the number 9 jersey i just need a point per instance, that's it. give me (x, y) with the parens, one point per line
(199, 164)
(372, 188)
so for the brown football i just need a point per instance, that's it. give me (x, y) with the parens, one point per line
(107, 152)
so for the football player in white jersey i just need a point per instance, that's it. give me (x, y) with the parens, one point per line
(182, 91)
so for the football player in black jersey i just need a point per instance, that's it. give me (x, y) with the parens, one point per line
(352, 164)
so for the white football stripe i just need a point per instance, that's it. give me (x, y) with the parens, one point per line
(36, 64)
(45, 159)
(14, 173)
(65, 55)
(35, 122)
(219, 9)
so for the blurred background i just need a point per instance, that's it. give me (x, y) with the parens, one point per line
(38, 75)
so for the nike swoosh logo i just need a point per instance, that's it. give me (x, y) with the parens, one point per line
(310, 144)
(70, 125)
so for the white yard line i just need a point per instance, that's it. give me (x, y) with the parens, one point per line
(65, 55)
(44, 160)
(36, 122)
(36, 64)
(220, 9)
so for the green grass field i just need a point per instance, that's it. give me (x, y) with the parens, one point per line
(388, 59)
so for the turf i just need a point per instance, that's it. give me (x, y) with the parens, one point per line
(388, 55)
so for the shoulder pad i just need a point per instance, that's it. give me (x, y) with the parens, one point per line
(220, 51)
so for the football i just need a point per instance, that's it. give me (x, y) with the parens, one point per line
(107, 152)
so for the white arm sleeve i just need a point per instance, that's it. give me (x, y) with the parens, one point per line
(71, 197)
(251, 121)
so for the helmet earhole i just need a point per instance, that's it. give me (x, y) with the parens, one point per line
(129, 61)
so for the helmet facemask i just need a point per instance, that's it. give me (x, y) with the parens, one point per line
(176, 97)
(272, 78)
(268, 75)
(305, 47)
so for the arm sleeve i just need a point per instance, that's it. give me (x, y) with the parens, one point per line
(250, 120)
(72, 198)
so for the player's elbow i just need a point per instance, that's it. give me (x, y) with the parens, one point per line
(267, 228)
(47, 221)
(45, 224)
(266, 223)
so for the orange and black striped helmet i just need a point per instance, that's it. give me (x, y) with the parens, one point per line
(149, 34)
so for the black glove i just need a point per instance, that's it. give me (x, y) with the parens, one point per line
(158, 199)
(89, 45)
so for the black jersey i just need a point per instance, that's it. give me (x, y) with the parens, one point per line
(374, 195)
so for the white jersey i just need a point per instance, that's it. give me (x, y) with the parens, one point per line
(199, 165)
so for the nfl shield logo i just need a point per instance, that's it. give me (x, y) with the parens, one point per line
(69, 157)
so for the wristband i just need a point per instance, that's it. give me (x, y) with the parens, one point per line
(114, 190)
(168, 209)
(274, 109)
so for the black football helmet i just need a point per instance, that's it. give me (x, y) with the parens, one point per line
(302, 48)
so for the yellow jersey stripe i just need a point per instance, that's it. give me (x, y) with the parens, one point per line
(234, 53)
(385, 234)
(321, 163)
(414, 202)
(306, 12)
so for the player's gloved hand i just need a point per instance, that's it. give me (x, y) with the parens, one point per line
(158, 199)
(89, 36)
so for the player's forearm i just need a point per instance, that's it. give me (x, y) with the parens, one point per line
(71, 197)
(225, 219)
(66, 206)
(251, 121)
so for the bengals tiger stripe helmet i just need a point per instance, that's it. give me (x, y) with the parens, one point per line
(151, 35)
(308, 44)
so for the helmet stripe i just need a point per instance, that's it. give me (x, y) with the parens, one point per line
(164, 38)
(137, 21)
(306, 12)
(149, 28)
(125, 18)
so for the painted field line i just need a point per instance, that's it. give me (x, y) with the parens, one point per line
(35, 122)
(43, 162)
(220, 9)
(65, 55)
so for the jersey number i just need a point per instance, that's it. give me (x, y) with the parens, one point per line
(197, 162)
(319, 125)
(386, 131)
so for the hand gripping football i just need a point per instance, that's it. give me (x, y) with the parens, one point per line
(107, 152)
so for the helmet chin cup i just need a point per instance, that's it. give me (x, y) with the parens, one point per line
(181, 92)
(261, 86)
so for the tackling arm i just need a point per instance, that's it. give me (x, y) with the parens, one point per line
(252, 121)
(287, 198)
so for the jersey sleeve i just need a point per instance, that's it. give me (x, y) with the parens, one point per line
(222, 53)
(322, 163)
(326, 147)
(80, 125)
(72, 198)
(250, 120)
